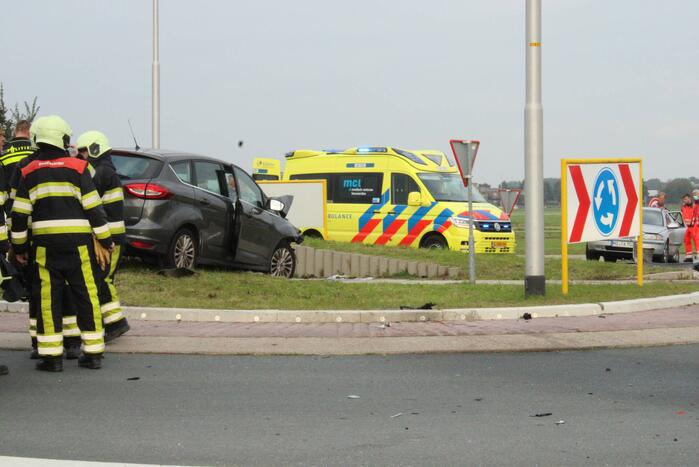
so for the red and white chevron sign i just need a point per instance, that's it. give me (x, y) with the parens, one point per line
(602, 200)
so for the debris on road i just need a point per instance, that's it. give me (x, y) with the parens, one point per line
(543, 414)
(353, 396)
(560, 422)
(397, 415)
(426, 306)
(133, 378)
(527, 316)
(607, 369)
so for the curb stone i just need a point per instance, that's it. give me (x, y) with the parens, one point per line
(382, 316)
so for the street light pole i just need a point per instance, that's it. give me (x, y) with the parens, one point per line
(156, 79)
(534, 279)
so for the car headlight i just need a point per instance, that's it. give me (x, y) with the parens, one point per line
(652, 236)
(461, 222)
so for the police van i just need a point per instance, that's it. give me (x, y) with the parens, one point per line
(390, 196)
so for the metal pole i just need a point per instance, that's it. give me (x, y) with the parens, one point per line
(471, 245)
(534, 279)
(156, 79)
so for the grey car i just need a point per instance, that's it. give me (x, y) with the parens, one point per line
(663, 236)
(182, 209)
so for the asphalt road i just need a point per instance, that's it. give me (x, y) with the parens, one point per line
(631, 407)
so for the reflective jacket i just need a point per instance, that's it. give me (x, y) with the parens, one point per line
(14, 151)
(58, 193)
(108, 186)
(688, 214)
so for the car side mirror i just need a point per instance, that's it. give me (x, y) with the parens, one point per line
(276, 205)
(673, 225)
(414, 198)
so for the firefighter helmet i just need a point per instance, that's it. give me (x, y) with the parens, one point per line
(95, 142)
(51, 130)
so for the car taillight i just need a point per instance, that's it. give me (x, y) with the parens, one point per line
(147, 190)
(142, 245)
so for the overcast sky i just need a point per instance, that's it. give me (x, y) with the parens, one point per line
(621, 78)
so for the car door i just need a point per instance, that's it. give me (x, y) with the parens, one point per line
(676, 235)
(358, 197)
(256, 238)
(398, 213)
(213, 207)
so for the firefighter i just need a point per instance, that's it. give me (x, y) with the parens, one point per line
(66, 212)
(93, 146)
(689, 217)
(19, 147)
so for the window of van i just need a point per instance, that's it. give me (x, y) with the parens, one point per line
(357, 188)
(401, 186)
(448, 187)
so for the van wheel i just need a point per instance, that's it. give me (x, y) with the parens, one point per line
(183, 250)
(434, 242)
(312, 234)
(283, 262)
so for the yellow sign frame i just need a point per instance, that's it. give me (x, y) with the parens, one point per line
(564, 214)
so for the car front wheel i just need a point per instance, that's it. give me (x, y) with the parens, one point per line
(183, 250)
(283, 262)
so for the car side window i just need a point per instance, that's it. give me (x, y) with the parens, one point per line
(247, 189)
(207, 176)
(231, 187)
(401, 186)
(183, 170)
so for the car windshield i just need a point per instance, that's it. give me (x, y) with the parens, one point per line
(652, 217)
(448, 187)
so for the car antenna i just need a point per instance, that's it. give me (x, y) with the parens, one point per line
(133, 136)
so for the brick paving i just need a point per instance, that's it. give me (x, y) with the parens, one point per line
(670, 318)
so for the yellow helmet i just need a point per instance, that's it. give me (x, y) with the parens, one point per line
(51, 130)
(95, 142)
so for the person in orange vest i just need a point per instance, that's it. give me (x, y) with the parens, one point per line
(689, 216)
(657, 202)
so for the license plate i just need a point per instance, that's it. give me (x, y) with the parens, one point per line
(498, 244)
(622, 244)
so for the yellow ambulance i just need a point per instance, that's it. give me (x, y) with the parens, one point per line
(266, 169)
(390, 196)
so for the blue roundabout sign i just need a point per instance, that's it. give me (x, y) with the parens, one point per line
(605, 201)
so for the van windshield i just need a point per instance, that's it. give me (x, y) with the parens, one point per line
(448, 187)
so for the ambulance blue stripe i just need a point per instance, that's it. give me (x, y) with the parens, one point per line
(369, 213)
(388, 220)
(419, 214)
(442, 218)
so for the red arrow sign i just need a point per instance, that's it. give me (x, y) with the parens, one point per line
(632, 202)
(583, 207)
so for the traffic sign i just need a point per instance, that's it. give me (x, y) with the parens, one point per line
(508, 199)
(602, 200)
(465, 152)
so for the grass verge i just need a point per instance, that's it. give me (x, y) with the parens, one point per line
(222, 289)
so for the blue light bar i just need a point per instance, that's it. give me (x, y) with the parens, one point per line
(371, 149)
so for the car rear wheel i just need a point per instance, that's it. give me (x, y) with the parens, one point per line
(283, 262)
(674, 256)
(183, 250)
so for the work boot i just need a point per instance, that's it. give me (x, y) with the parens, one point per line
(72, 352)
(114, 330)
(4, 370)
(34, 355)
(53, 364)
(93, 362)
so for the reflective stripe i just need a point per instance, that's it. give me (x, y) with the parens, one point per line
(117, 227)
(102, 231)
(51, 351)
(91, 200)
(71, 332)
(3, 197)
(45, 190)
(70, 320)
(19, 238)
(113, 195)
(93, 348)
(93, 336)
(91, 170)
(32, 332)
(7, 160)
(110, 306)
(22, 206)
(49, 338)
(89, 279)
(13, 193)
(113, 318)
(61, 223)
(32, 321)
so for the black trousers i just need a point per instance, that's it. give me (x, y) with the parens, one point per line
(65, 272)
